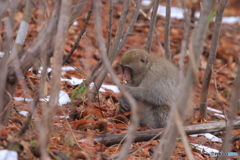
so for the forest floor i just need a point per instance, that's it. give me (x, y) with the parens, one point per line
(80, 121)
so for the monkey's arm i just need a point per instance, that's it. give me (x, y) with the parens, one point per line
(149, 95)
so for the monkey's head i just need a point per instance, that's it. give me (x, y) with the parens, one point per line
(135, 63)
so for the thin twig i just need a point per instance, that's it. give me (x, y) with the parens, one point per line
(103, 73)
(80, 34)
(179, 125)
(130, 27)
(110, 25)
(233, 105)
(152, 25)
(50, 110)
(184, 43)
(107, 66)
(167, 30)
(196, 48)
(211, 58)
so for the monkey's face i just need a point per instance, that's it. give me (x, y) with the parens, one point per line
(134, 65)
(127, 74)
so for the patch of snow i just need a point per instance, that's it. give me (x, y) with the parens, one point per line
(24, 113)
(208, 136)
(62, 116)
(8, 155)
(63, 98)
(219, 115)
(230, 20)
(45, 99)
(75, 23)
(68, 68)
(175, 12)
(197, 15)
(214, 110)
(146, 2)
(73, 80)
(111, 87)
(41, 68)
(178, 13)
(205, 149)
(114, 88)
(1, 54)
(22, 99)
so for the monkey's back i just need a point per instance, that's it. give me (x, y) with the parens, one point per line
(164, 79)
(164, 75)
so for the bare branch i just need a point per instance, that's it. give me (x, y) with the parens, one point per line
(179, 125)
(78, 7)
(167, 30)
(49, 112)
(211, 58)
(130, 27)
(233, 105)
(117, 44)
(110, 25)
(107, 66)
(196, 48)
(152, 25)
(80, 34)
(22, 32)
(185, 38)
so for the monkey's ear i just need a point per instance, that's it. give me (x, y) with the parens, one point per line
(144, 59)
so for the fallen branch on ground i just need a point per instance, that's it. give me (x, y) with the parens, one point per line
(149, 134)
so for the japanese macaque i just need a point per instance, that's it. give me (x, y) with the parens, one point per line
(151, 80)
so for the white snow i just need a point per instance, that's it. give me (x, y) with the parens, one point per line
(24, 113)
(1, 54)
(111, 87)
(8, 155)
(63, 98)
(214, 110)
(73, 80)
(68, 68)
(22, 99)
(146, 2)
(219, 115)
(205, 149)
(178, 13)
(62, 116)
(231, 20)
(175, 12)
(29, 100)
(208, 136)
(76, 81)
(75, 23)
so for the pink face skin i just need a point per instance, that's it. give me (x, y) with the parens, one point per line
(127, 74)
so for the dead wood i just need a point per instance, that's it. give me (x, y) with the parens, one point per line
(149, 134)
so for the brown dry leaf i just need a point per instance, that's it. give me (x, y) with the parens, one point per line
(91, 111)
(4, 132)
(18, 17)
(81, 122)
(120, 126)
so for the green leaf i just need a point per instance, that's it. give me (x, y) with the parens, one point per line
(81, 89)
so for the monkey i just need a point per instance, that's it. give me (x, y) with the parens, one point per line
(151, 80)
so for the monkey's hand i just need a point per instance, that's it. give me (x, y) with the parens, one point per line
(124, 105)
(148, 95)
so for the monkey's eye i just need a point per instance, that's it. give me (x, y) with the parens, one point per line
(143, 60)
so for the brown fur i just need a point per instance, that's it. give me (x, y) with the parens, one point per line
(153, 82)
